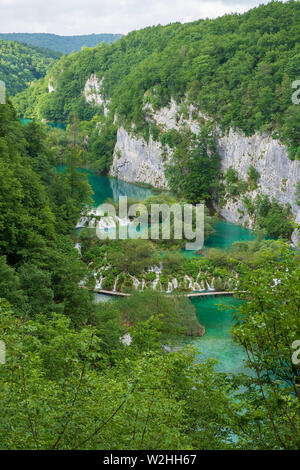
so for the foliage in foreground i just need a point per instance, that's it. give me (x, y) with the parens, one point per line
(62, 390)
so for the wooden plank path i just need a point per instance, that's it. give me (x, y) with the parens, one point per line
(195, 294)
(212, 293)
(110, 292)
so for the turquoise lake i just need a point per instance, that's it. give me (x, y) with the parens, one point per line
(217, 341)
(59, 125)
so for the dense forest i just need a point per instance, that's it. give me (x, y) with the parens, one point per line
(21, 64)
(70, 383)
(63, 44)
(238, 69)
(122, 374)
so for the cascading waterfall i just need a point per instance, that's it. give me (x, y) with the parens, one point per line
(197, 285)
(108, 222)
(136, 282)
(157, 270)
(191, 284)
(170, 287)
(210, 286)
(98, 285)
(78, 248)
(115, 283)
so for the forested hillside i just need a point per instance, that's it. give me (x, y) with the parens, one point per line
(71, 382)
(21, 64)
(64, 44)
(123, 373)
(238, 69)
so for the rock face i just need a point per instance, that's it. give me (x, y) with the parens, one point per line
(135, 160)
(278, 174)
(92, 93)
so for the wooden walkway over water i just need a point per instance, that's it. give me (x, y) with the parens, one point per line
(213, 293)
(111, 292)
(194, 294)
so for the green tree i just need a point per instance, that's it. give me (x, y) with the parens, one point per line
(194, 169)
(267, 325)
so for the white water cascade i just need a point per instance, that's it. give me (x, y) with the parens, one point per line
(157, 271)
(135, 282)
(115, 284)
(172, 285)
(98, 285)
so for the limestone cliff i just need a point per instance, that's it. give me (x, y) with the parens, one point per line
(278, 174)
(136, 160)
(93, 93)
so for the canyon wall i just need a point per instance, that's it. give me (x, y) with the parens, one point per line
(136, 160)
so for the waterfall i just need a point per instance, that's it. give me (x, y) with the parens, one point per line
(115, 284)
(98, 285)
(170, 287)
(88, 219)
(190, 281)
(157, 272)
(82, 222)
(107, 222)
(210, 287)
(136, 282)
(78, 247)
(175, 283)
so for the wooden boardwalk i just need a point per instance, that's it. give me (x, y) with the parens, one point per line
(111, 292)
(212, 293)
(195, 294)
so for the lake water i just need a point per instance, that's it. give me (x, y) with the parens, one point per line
(59, 125)
(217, 341)
(105, 188)
(111, 188)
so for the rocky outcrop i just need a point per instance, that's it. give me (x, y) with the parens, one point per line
(93, 93)
(296, 233)
(278, 174)
(136, 160)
